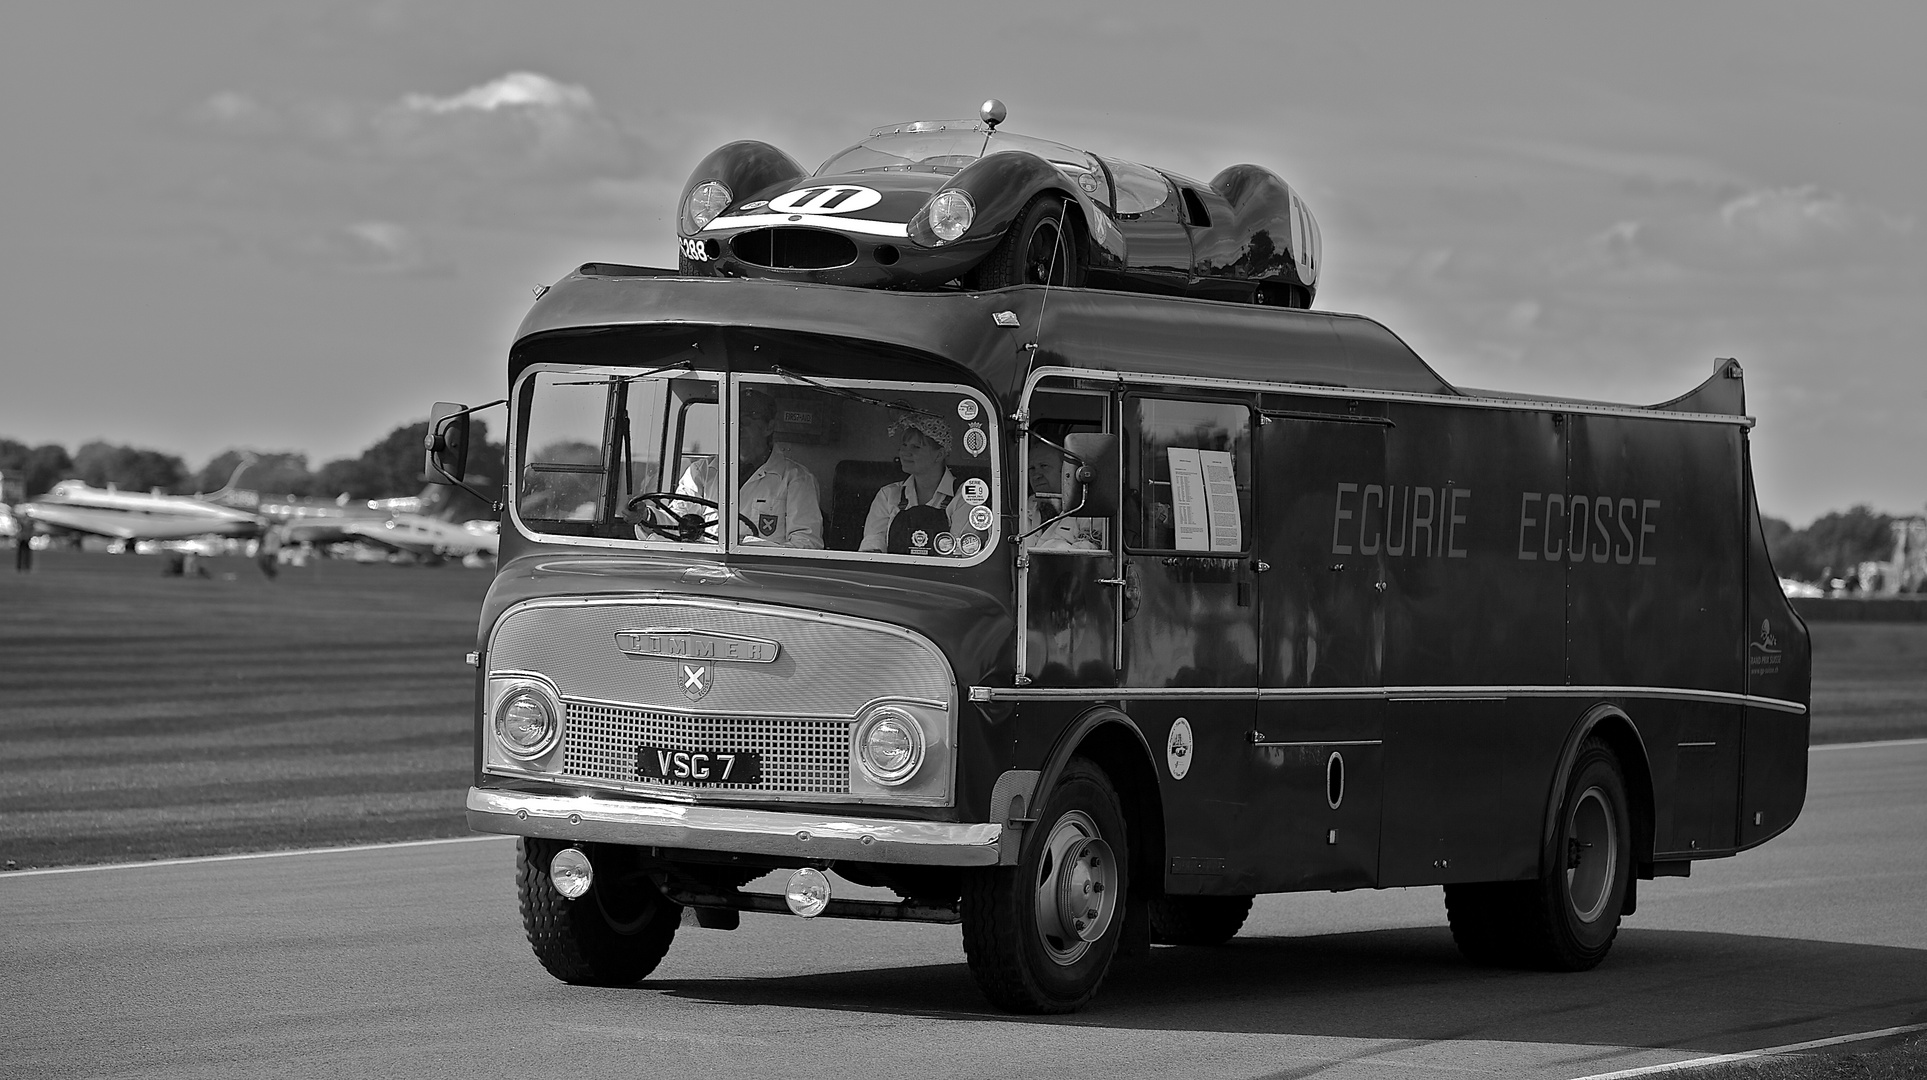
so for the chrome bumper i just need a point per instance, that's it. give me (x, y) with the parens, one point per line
(749, 832)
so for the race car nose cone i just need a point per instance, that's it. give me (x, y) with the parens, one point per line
(993, 112)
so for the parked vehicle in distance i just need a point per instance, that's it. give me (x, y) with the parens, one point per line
(925, 204)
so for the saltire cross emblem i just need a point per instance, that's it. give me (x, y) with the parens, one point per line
(697, 679)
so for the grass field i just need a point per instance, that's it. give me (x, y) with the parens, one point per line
(146, 717)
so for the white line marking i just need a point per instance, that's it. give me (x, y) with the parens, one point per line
(1866, 745)
(1717, 1059)
(5, 874)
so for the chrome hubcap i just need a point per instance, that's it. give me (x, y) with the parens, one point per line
(1592, 854)
(1076, 892)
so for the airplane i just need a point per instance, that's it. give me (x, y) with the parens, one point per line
(418, 525)
(74, 507)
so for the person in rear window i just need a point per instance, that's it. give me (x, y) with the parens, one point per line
(923, 502)
(779, 496)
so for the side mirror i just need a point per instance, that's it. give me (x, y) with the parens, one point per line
(447, 443)
(1097, 472)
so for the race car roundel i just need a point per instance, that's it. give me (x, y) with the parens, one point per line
(826, 199)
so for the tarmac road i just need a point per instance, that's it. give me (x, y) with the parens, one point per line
(410, 961)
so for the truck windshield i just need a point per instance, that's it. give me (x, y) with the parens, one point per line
(796, 466)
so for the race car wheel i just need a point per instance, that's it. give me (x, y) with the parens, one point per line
(1197, 920)
(1567, 919)
(1041, 248)
(1041, 935)
(613, 935)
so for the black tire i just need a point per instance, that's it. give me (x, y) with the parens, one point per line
(613, 935)
(1040, 936)
(1040, 248)
(1567, 919)
(1197, 920)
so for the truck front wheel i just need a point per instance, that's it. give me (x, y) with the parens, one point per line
(613, 935)
(1040, 935)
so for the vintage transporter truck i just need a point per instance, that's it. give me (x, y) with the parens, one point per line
(1212, 600)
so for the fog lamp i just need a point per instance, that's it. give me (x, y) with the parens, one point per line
(808, 892)
(571, 873)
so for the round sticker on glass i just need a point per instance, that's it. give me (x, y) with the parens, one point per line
(976, 491)
(946, 544)
(975, 440)
(969, 544)
(919, 539)
(967, 408)
(980, 518)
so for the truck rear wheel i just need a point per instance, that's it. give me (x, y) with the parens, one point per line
(613, 935)
(1040, 936)
(1197, 920)
(1567, 919)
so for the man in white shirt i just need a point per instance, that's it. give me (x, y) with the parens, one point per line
(778, 500)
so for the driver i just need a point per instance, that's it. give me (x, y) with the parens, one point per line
(778, 500)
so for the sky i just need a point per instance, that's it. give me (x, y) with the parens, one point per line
(292, 227)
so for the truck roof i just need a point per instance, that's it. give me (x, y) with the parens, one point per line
(990, 333)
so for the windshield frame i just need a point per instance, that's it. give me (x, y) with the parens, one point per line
(729, 388)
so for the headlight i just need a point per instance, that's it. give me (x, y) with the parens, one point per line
(889, 745)
(951, 212)
(710, 198)
(527, 721)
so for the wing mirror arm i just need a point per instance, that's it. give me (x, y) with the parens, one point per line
(1093, 456)
(446, 446)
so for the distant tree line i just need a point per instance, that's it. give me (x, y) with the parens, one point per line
(390, 468)
(1832, 546)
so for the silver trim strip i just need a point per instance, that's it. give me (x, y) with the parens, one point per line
(1390, 693)
(1309, 390)
(805, 221)
(718, 828)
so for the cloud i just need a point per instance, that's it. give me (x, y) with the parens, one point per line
(366, 247)
(520, 126)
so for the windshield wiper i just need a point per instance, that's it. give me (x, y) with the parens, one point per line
(686, 365)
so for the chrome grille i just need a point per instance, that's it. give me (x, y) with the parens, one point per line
(801, 756)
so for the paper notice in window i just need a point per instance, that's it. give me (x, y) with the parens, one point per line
(1188, 511)
(1221, 500)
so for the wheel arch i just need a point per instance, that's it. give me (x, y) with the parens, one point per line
(1614, 727)
(1113, 740)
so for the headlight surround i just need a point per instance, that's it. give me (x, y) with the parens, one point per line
(528, 720)
(950, 213)
(889, 745)
(705, 201)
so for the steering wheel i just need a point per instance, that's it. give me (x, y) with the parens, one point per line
(685, 527)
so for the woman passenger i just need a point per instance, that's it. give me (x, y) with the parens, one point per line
(928, 490)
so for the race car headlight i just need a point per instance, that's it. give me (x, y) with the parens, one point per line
(889, 745)
(528, 721)
(709, 198)
(951, 213)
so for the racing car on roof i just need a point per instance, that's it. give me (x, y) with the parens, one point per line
(936, 203)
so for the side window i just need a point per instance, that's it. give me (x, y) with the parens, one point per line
(1187, 475)
(1052, 519)
(563, 474)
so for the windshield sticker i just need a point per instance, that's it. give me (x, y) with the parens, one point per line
(967, 409)
(827, 199)
(946, 544)
(970, 544)
(975, 440)
(975, 491)
(980, 518)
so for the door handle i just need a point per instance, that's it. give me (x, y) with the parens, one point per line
(1110, 581)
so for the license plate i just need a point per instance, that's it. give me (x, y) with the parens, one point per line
(699, 766)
